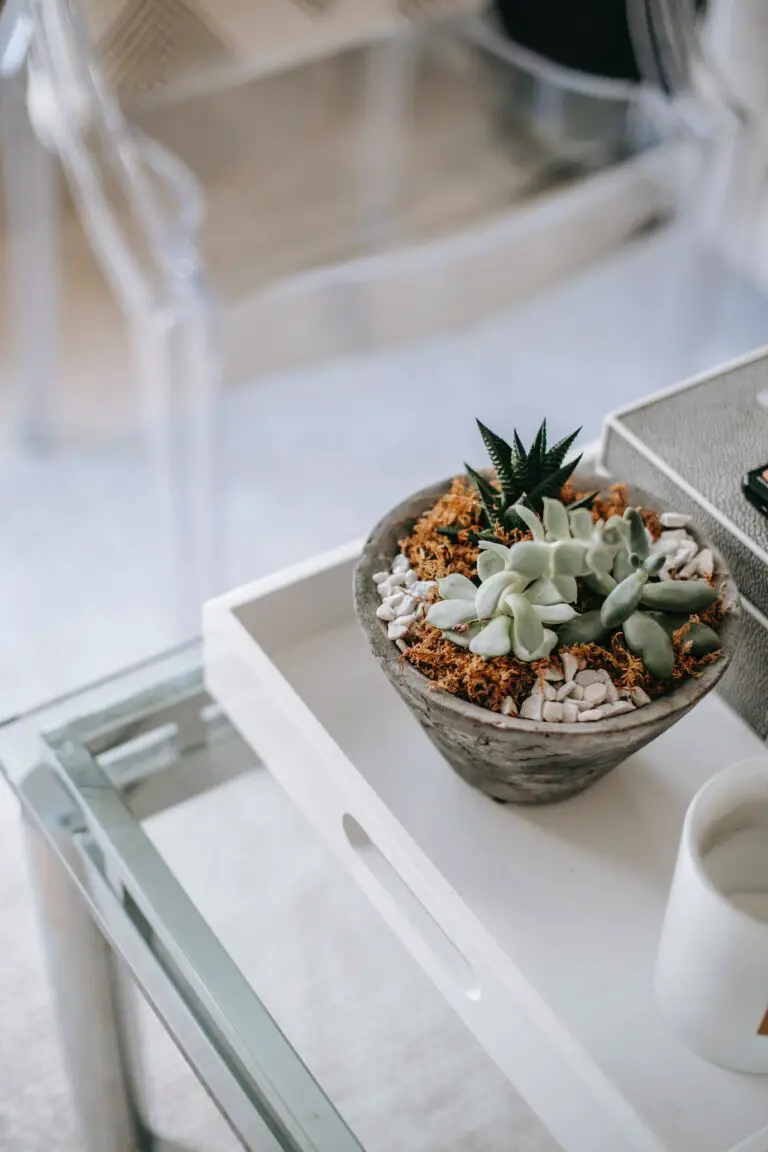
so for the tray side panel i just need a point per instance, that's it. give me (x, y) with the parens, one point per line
(542, 1060)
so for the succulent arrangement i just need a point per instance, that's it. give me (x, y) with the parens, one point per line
(541, 583)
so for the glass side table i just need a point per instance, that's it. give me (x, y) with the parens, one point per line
(96, 774)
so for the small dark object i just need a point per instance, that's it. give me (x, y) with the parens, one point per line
(754, 485)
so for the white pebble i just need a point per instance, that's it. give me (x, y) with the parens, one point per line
(410, 578)
(570, 665)
(402, 645)
(690, 570)
(595, 694)
(384, 590)
(406, 606)
(543, 688)
(612, 692)
(421, 609)
(675, 534)
(674, 520)
(422, 587)
(395, 600)
(509, 708)
(407, 620)
(570, 712)
(396, 630)
(665, 547)
(686, 552)
(588, 677)
(396, 580)
(639, 696)
(578, 692)
(400, 563)
(552, 712)
(604, 676)
(565, 690)
(665, 574)
(620, 707)
(380, 577)
(591, 714)
(552, 672)
(532, 707)
(384, 612)
(705, 562)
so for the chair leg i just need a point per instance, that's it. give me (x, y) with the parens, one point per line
(30, 175)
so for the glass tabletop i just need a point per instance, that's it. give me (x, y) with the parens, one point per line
(296, 1006)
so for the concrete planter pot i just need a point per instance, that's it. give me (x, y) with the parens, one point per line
(514, 760)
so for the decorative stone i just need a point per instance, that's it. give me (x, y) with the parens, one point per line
(401, 563)
(639, 696)
(406, 606)
(674, 520)
(705, 562)
(685, 552)
(402, 645)
(675, 534)
(532, 707)
(595, 694)
(394, 601)
(422, 587)
(410, 578)
(396, 580)
(570, 712)
(570, 665)
(552, 712)
(587, 677)
(577, 693)
(543, 688)
(552, 672)
(380, 577)
(612, 692)
(385, 612)
(407, 620)
(619, 707)
(397, 630)
(690, 570)
(591, 714)
(509, 708)
(565, 690)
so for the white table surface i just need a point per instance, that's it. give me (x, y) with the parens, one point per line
(572, 894)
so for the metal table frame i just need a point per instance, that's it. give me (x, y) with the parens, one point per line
(113, 914)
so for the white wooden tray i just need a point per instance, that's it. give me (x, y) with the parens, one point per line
(539, 925)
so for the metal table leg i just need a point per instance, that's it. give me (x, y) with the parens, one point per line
(83, 977)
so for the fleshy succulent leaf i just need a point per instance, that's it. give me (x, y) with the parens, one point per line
(554, 613)
(455, 586)
(580, 521)
(530, 519)
(448, 613)
(488, 564)
(490, 592)
(529, 630)
(556, 519)
(493, 640)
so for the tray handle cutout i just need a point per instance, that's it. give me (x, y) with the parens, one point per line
(455, 965)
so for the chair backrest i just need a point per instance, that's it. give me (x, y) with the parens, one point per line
(140, 205)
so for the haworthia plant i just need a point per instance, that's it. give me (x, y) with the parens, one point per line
(524, 477)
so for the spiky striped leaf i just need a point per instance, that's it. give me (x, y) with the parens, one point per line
(489, 496)
(555, 456)
(552, 482)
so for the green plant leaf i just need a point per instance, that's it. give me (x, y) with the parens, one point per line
(585, 502)
(551, 484)
(557, 454)
(489, 496)
(538, 451)
(501, 457)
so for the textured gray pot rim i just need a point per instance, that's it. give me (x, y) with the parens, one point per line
(679, 701)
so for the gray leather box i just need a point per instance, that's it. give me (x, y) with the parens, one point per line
(692, 444)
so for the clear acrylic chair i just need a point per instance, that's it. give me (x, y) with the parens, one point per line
(141, 209)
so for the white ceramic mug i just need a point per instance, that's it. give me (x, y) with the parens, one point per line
(712, 968)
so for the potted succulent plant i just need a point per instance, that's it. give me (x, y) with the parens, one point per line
(541, 625)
